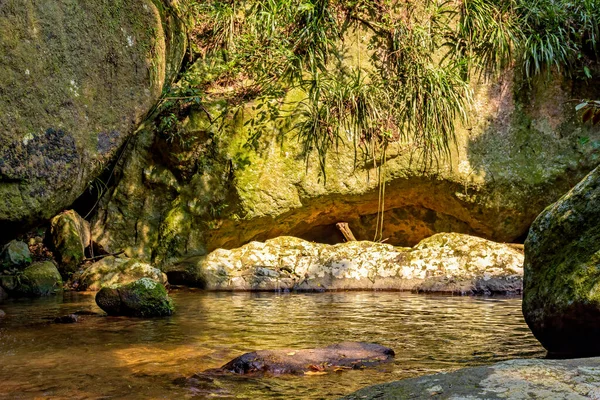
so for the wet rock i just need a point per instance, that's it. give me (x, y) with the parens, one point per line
(16, 254)
(116, 271)
(142, 298)
(2, 314)
(346, 355)
(70, 236)
(66, 319)
(561, 299)
(516, 379)
(3, 294)
(39, 279)
(449, 262)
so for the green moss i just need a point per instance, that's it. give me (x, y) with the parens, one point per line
(142, 298)
(39, 279)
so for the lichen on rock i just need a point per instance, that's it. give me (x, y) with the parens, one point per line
(112, 271)
(452, 263)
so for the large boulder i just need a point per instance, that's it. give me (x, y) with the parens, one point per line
(39, 279)
(112, 271)
(523, 149)
(142, 298)
(515, 379)
(77, 78)
(561, 299)
(450, 262)
(70, 235)
(15, 254)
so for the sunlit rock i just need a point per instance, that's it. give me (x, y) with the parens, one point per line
(448, 262)
(116, 271)
(516, 379)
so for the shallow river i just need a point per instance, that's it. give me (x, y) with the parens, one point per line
(109, 358)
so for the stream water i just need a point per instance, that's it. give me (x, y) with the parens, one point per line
(109, 357)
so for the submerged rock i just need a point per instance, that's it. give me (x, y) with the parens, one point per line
(70, 236)
(39, 279)
(346, 355)
(561, 299)
(116, 271)
(515, 379)
(67, 319)
(447, 262)
(15, 254)
(142, 298)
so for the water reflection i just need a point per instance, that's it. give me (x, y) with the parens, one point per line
(107, 357)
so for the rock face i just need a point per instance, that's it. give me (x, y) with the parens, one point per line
(15, 254)
(450, 262)
(351, 355)
(561, 299)
(72, 96)
(39, 279)
(70, 236)
(116, 271)
(523, 149)
(142, 298)
(516, 379)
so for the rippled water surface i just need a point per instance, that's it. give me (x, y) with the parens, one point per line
(108, 357)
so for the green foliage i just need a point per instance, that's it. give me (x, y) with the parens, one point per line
(409, 79)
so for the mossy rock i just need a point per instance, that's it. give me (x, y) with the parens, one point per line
(70, 236)
(39, 279)
(561, 299)
(16, 254)
(142, 298)
(77, 78)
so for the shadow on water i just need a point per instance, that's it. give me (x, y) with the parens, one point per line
(108, 357)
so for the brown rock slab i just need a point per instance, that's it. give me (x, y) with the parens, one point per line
(346, 355)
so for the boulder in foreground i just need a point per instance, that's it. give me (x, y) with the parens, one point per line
(561, 299)
(515, 379)
(142, 298)
(346, 355)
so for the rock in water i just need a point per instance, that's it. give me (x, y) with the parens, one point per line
(70, 236)
(446, 262)
(66, 319)
(3, 294)
(515, 380)
(346, 355)
(16, 254)
(112, 271)
(561, 298)
(142, 298)
(39, 279)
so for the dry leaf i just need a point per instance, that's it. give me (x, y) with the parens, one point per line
(314, 373)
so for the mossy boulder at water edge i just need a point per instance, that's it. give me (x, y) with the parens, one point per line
(39, 279)
(561, 299)
(142, 298)
(70, 236)
(112, 271)
(77, 78)
(449, 262)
